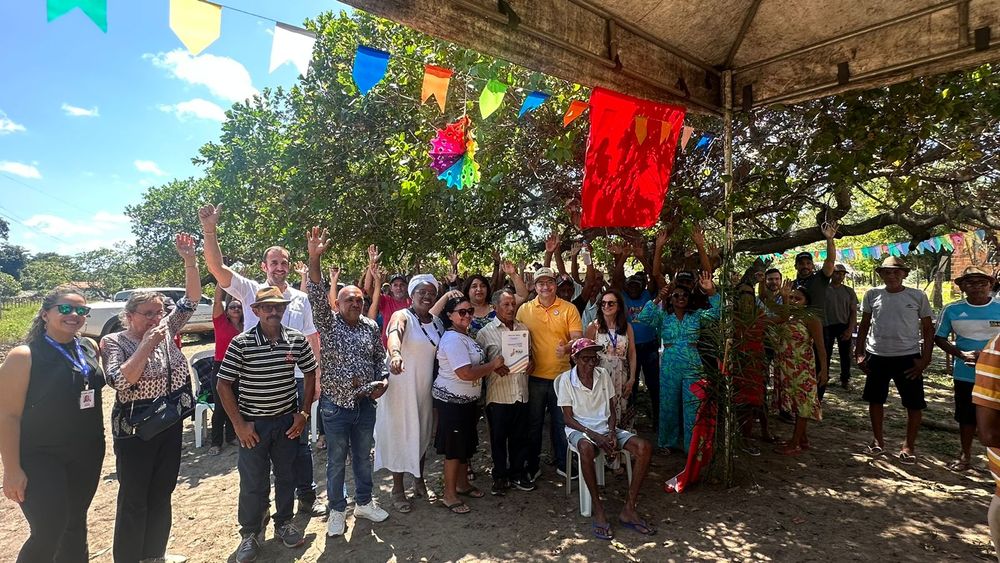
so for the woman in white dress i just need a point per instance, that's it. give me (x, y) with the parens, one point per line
(405, 413)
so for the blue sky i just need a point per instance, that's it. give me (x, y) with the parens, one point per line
(89, 121)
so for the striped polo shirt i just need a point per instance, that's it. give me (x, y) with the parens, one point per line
(265, 371)
(986, 394)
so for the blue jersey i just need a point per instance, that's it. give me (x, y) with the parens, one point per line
(643, 332)
(974, 326)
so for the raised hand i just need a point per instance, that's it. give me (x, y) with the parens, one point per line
(616, 248)
(318, 241)
(661, 238)
(552, 243)
(639, 248)
(453, 260)
(829, 229)
(373, 254)
(785, 291)
(706, 283)
(208, 214)
(334, 271)
(184, 243)
(301, 269)
(509, 268)
(576, 248)
(697, 235)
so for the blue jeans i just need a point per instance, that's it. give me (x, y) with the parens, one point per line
(354, 429)
(305, 486)
(542, 396)
(254, 464)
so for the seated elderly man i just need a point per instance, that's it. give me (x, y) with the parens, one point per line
(587, 398)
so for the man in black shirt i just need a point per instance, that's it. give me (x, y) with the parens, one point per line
(814, 283)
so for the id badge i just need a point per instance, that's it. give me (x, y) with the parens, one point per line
(87, 399)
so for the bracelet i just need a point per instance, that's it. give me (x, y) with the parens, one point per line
(209, 232)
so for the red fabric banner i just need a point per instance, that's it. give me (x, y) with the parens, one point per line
(625, 182)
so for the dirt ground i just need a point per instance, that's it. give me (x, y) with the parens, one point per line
(830, 504)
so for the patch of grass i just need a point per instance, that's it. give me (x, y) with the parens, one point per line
(15, 321)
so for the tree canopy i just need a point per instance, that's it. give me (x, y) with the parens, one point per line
(914, 158)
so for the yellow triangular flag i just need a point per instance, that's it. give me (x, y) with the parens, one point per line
(664, 131)
(435, 84)
(640, 128)
(197, 24)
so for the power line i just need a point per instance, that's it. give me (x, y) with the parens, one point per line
(9, 215)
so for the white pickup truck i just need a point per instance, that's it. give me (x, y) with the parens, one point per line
(103, 318)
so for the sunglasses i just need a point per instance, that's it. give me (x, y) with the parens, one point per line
(607, 304)
(66, 308)
(678, 296)
(464, 312)
(234, 307)
(271, 307)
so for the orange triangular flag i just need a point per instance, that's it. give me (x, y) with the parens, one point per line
(664, 131)
(576, 109)
(436, 81)
(685, 137)
(640, 128)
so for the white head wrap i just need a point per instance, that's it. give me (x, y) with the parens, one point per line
(419, 280)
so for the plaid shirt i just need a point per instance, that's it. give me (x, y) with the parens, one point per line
(351, 356)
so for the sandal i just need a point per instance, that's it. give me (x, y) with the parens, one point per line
(602, 531)
(906, 458)
(641, 527)
(471, 492)
(788, 450)
(214, 450)
(457, 508)
(470, 474)
(960, 465)
(874, 449)
(401, 503)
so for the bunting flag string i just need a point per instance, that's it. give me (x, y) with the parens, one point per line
(436, 80)
(640, 128)
(947, 243)
(369, 68)
(685, 137)
(197, 24)
(295, 45)
(664, 131)
(96, 10)
(575, 110)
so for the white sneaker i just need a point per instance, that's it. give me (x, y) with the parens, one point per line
(335, 524)
(370, 511)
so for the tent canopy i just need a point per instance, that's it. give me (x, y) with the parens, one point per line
(777, 50)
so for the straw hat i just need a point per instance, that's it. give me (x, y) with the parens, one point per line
(973, 271)
(893, 263)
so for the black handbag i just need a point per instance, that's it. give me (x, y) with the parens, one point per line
(163, 412)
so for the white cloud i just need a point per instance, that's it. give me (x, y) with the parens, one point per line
(149, 167)
(197, 108)
(224, 77)
(74, 111)
(102, 230)
(20, 169)
(7, 125)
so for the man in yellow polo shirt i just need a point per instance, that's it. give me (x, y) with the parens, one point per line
(553, 324)
(986, 397)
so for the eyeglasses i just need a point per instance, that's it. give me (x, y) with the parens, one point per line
(587, 359)
(66, 308)
(608, 304)
(151, 315)
(425, 293)
(464, 312)
(271, 307)
(679, 296)
(235, 307)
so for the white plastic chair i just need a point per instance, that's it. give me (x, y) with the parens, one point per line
(586, 503)
(200, 409)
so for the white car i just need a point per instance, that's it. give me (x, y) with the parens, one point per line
(103, 318)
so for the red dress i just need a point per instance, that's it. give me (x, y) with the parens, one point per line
(751, 370)
(224, 333)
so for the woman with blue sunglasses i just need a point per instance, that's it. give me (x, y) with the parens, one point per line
(52, 428)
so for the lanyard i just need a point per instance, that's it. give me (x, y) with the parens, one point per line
(613, 336)
(79, 363)
(423, 330)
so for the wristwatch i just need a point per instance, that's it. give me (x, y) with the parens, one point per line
(304, 413)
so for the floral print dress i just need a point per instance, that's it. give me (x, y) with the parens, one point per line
(795, 384)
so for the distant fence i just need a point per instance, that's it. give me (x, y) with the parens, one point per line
(7, 303)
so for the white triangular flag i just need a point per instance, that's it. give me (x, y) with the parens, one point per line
(292, 44)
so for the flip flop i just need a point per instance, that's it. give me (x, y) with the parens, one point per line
(906, 459)
(787, 450)
(874, 449)
(471, 492)
(641, 527)
(402, 505)
(960, 465)
(457, 508)
(602, 531)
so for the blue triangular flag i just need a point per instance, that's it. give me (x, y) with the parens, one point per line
(532, 101)
(704, 142)
(369, 68)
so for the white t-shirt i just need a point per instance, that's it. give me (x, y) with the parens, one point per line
(455, 351)
(896, 320)
(298, 314)
(591, 407)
